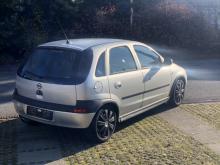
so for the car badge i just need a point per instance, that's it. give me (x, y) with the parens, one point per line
(39, 86)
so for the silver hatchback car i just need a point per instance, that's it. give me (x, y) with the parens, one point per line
(95, 83)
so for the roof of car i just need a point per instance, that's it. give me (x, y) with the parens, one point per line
(82, 44)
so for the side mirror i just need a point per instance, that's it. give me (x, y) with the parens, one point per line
(168, 61)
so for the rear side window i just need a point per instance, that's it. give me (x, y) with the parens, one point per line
(146, 56)
(121, 60)
(65, 66)
(100, 68)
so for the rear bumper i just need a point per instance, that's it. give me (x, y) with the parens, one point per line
(63, 119)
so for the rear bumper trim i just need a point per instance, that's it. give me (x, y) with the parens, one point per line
(90, 105)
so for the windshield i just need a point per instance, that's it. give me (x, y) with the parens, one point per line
(56, 65)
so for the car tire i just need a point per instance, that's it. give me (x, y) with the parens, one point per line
(28, 121)
(103, 125)
(177, 92)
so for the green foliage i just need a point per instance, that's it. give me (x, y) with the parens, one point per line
(27, 23)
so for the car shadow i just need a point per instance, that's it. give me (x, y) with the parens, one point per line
(41, 144)
(142, 116)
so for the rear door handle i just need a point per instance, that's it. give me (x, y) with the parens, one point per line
(118, 85)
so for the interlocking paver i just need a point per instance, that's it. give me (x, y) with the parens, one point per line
(38, 145)
(194, 127)
(8, 145)
(145, 139)
(209, 112)
(7, 111)
(148, 141)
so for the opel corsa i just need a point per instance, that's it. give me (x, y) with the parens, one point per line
(95, 84)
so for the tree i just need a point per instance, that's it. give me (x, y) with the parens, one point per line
(27, 23)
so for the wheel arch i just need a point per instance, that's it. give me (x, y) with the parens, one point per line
(177, 78)
(111, 104)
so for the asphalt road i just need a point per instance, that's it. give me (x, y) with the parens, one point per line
(7, 83)
(204, 80)
(203, 70)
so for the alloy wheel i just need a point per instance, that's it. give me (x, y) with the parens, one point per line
(179, 91)
(105, 124)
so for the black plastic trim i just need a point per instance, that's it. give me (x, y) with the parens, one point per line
(91, 106)
(133, 95)
(141, 93)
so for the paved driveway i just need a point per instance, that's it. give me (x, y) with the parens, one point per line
(146, 139)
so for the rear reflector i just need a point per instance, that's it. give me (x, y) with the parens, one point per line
(80, 110)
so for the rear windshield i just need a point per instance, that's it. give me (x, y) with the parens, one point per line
(56, 65)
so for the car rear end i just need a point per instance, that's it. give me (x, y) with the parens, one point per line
(46, 87)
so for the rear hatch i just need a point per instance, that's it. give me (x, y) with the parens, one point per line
(51, 74)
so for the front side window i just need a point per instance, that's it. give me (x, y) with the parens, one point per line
(121, 60)
(146, 56)
(100, 68)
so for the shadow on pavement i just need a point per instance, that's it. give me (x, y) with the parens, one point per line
(151, 112)
(41, 144)
(38, 144)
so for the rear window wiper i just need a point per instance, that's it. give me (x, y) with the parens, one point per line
(32, 76)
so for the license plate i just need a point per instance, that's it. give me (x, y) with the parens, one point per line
(38, 112)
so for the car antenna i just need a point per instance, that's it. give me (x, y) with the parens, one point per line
(61, 27)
